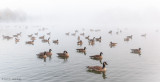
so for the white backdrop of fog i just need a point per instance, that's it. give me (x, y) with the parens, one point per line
(120, 12)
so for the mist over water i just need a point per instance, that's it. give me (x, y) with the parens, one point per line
(19, 60)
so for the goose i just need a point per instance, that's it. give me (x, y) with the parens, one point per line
(143, 35)
(33, 38)
(49, 33)
(73, 34)
(126, 39)
(30, 42)
(78, 38)
(97, 56)
(98, 68)
(67, 33)
(87, 37)
(64, 54)
(82, 34)
(98, 39)
(136, 50)
(45, 40)
(113, 44)
(81, 49)
(91, 42)
(15, 35)
(19, 34)
(49, 53)
(56, 41)
(92, 39)
(17, 40)
(79, 42)
(7, 37)
(36, 33)
(41, 37)
(30, 35)
(110, 32)
(130, 37)
(42, 55)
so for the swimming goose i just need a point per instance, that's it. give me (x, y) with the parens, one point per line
(113, 44)
(42, 55)
(30, 42)
(110, 32)
(78, 38)
(17, 40)
(45, 40)
(136, 50)
(15, 35)
(79, 42)
(126, 39)
(64, 54)
(97, 56)
(33, 38)
(143, 35)
(98, 68)
(67, 33)
(49, 53)
(130, 37)
(36, 33)
(30, 35)
(49, 33)
(82, 34)
(87, 37)
(56, 41)
(92, 39)
(98, 39)
(81, 49)
(41, 37)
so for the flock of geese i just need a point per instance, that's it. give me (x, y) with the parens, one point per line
(91, 41)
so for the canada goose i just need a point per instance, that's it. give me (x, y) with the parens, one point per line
(91, 42)
(126, 39)
(49, 53)
(97, 30)
(87, 37)
(91, 30)
(33, 38)
(98, 39)
(41, 37)
(79, 42)
(143, 35)
(49, 33)
(36, 33)
(98, 68)
(130, 37)
(76, 31)
(73, 34)
(113, 44)
(7, 37)
(82, 34)
(30, 35)
(45, 40)
(64, 54)
(110, 32)
(136, 50)
(81, 49)
(42, 55)
(56, 41)
(92, 39)
(15, 35)
(97, 56)
(78, 38)
(67, 33)
(17, 40)
(19, 34)
(30, 42)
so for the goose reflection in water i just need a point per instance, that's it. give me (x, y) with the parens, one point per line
(65, 58)
(96, 72)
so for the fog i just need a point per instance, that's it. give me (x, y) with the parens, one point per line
(83, 12)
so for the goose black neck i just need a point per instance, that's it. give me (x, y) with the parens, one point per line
(104, 65)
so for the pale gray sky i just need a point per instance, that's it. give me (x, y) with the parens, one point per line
(99, 11)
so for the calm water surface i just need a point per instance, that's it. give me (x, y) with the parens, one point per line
(20, 63)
